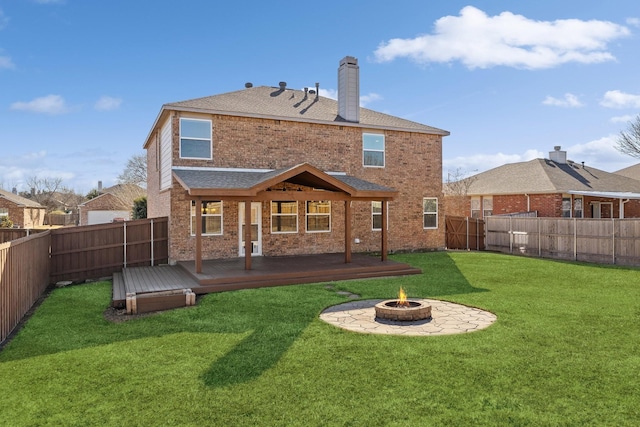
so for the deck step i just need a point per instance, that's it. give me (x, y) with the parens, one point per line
(119, 294)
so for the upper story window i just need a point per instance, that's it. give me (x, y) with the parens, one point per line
(284, 217)
(373, 150)
(318, 216)
(430, 212)
(195, 139)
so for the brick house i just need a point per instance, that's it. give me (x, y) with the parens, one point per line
(553, 187)
(113, 204)
(24, 213)
(277, 171)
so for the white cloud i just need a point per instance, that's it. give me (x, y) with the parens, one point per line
(50, 104)
(369, 98)
(599, 154)
(329, 93)
(477, 163)
(481, 41)
(635, 22)
(622, 119)
(4, 20)
(107, 103)
(618, 99)
(569, 101)
(6, 63)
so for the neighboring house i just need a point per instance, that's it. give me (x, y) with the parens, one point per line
(113, 204)
(310, 174)
(554, 187)
(24, 213)
(630, 172)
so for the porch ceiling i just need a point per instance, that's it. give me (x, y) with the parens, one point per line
(242, 183)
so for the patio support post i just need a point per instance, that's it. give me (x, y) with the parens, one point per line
(384, 243)
(247, 235)
(198, 231)
(347, 231)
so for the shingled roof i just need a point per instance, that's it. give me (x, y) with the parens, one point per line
(290, 104)
(547, 176)
(19, 200)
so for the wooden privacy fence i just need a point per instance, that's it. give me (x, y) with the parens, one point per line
(93, 251)
(24, 276)
(464, 233)
(610, 241)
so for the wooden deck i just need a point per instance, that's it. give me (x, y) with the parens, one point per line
(229, 274)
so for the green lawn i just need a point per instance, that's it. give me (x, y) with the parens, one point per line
(565, 350)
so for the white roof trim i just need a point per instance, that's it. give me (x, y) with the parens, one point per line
(608, 194)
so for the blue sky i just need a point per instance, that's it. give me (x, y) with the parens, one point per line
(81, 82)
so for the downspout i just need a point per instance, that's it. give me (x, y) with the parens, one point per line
(622, 202)
(528, 202)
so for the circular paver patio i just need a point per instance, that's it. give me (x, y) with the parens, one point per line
(446, 318)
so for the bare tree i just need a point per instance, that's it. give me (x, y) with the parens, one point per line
(456, 190)
(629, 140)
(135, 172)
(44, 191)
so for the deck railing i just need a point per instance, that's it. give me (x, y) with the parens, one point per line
(24, 276)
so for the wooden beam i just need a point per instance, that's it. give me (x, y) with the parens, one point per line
(383, 244)
(247, 235)
(347, 231)
(198, 231)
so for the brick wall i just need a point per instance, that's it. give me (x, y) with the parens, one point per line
(413, 166)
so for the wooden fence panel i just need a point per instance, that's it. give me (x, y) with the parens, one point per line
(610, 241)
(94, 251)
(464, 233)
(24, 276)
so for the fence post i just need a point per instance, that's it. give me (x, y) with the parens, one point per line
(539, 239)
(613, 239)
(124, 230)
(575, 240)
(467, 233)
(510, 236)
(152, 243)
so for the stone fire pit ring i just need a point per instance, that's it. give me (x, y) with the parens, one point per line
(447, 318)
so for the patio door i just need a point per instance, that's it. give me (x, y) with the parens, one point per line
(256, 228)
(602, 210)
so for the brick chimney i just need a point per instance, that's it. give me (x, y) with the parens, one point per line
(349, 89)
(558, 155)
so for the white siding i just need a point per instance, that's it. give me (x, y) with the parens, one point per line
(165, 155)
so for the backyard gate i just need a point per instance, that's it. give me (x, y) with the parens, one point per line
(464, 233)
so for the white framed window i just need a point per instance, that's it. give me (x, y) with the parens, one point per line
(211, 218)
(578, 210)
(376, 215)
(318, 216)
(475, 207)
(284, 217)
(430, 212)
(4, 211)
(373, 150)
(487, 206)
(195, 139)
(566, 206)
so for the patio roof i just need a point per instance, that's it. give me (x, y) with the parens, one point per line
(247, 183)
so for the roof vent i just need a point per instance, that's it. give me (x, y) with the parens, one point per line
(248, 85)
(283, 85)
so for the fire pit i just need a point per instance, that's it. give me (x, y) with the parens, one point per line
(402, 309)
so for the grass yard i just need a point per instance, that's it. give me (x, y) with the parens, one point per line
(565, 351)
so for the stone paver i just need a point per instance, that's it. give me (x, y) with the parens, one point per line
(446, 318)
